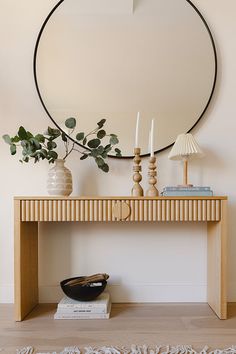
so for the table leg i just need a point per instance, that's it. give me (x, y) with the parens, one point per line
(217, 264)
(26, 265)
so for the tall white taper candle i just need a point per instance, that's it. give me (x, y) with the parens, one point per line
(149, 142)
(137, 131)
(152, 139)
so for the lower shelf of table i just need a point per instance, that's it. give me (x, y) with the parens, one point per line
(153, 311)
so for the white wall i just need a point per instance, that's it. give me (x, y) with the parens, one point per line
(147, 262)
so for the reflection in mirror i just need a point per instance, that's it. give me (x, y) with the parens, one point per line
(110, 59)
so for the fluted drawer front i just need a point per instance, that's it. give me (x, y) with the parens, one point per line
(67, 210)
(175, 210)
(141, 209)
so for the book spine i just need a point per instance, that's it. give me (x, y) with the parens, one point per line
(65, 311)
(83, 306)
(88, 316)
(186, 188)
(188, 193)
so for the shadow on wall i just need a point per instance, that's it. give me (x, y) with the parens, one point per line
(211, 162)
(136, 4)
(88, 182)
(56, 249)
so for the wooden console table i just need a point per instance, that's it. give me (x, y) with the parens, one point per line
(29, 211)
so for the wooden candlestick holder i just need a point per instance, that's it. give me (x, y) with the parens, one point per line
(137, 190)
(152, 190)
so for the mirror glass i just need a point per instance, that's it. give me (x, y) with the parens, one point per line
(110, 59)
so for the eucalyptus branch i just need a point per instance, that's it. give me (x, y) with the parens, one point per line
(68, 152)
(92, 132)
(66, 144)
(81, 152)
(43, 146)
(71, 132)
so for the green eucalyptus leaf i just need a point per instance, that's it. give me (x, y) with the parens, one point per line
(27, 147)
(54, 133)
(64, 137)
(43, 152)
(104, 154)
(84, 156)
(100, 150)
(29, 135)
(53, 155)
(24, 143)
(114, 140)
(51, 145)
(94, 152)
(31, 149)
(80, 136)
(7, 139)
(113, 135)
(101, 123)
(22, 133)
(105, 167)
(48, 131)
(94, 143)
(34, 154)
(57, 133)
(40, 138)
(13, 149)
(85, 141)
(15, 139)
(118, 152)
(24, 151)
(25, 159)
(35, 143)
(101, 134)
(70, 123)
(99, 161)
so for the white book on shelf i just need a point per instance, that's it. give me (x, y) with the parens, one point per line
(83, 316)
(101, 302)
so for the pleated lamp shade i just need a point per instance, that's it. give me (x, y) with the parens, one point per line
(185, 147)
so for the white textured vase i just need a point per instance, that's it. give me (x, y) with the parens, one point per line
(59, 179)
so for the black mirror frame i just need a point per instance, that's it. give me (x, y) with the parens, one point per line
(49, 115)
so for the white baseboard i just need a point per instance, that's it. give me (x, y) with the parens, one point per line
(157, 292)
(6, 293)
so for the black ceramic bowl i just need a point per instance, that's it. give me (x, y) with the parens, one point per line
(86, 292)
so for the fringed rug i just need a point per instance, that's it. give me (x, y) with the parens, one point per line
(134, 349)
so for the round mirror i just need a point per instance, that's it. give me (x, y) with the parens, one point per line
(110, 59)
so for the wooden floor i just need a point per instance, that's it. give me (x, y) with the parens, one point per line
(151, 324)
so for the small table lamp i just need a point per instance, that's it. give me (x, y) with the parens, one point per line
(184, 149)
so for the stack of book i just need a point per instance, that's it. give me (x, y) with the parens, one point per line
(186, 191)
(69, 309)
